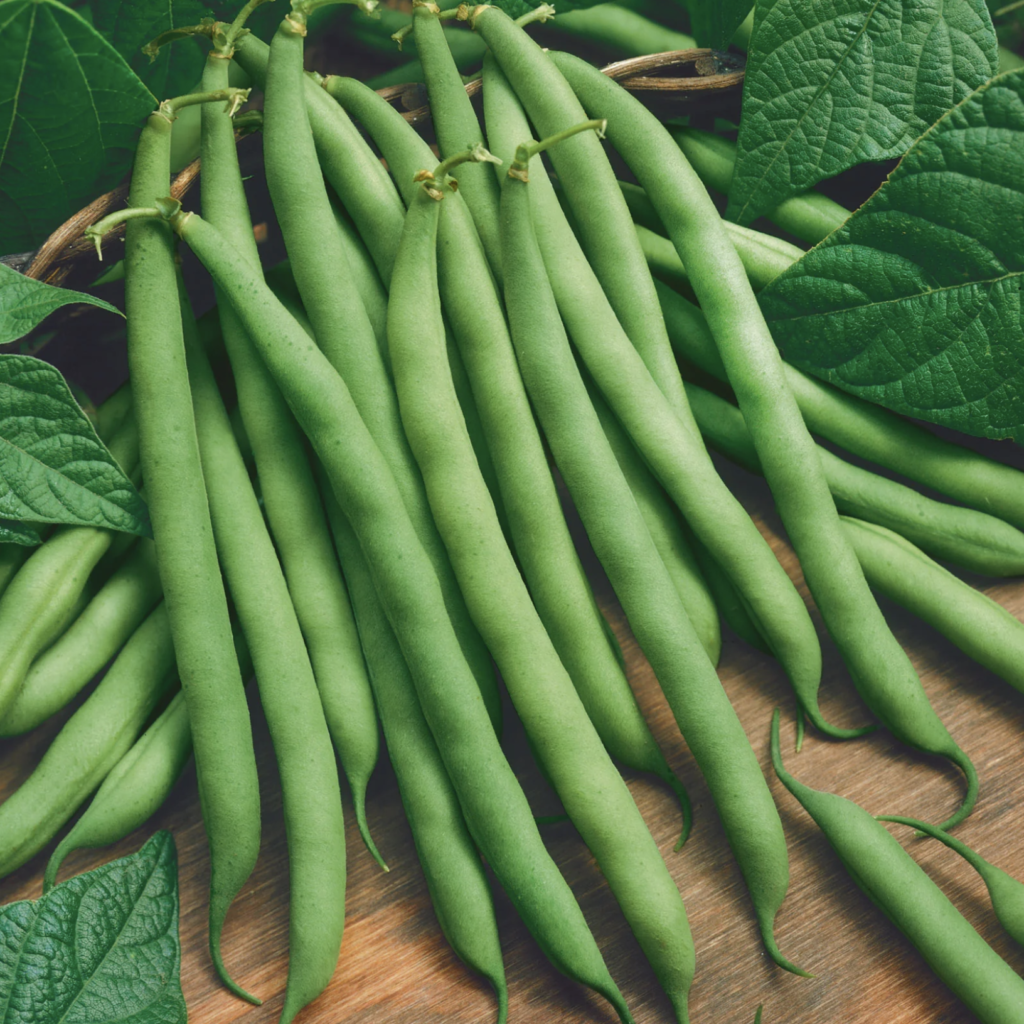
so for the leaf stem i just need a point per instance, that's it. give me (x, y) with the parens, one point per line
(165, 209)
(526, 151)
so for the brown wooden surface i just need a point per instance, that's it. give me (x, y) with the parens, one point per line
(396, 968)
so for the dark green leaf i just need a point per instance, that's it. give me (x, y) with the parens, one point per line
(916, 301)
(53, 467)
(130, 24)
(24, 303)
(834, 83)
(714, 22)
(13, 532)
(100, 947)
(70, 115)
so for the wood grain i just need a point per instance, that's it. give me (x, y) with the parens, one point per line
(395, 967)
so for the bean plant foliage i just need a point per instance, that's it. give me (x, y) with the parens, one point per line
(916, 301)
(102, 946)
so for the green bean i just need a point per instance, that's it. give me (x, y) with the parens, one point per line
(1006, 893)
(345, 159)
(971, 539)
(12, 558)
(881, 670)
(675, 454)
(139, 784)
(810, 216)
(339, 319)
(626, 32)
(761, 262)
(91, 742)
(601, 213)
(456, 124)
(41, 599)
(665, 529)
(912, 901)
(641, 582)
(94, 637)
(134, 789)
(977, 625)
(561, 734)
(496, 810)
(451, 864)
(314, 823)
(186, 555)
(867, 430)
(290, 494)
(537, 525)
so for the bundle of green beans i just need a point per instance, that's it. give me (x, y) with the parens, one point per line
(380, 524)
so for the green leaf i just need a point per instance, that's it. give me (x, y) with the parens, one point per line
(916, 302)
(834, 83)
(70, 114)
(130, 24)
(53, 466)
(24, 303)
(102, 946)
(714, 22)
(13, 532)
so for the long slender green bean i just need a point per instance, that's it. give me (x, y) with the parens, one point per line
(91, 742)
(627, 32)
(867, 430)
(961, 958)
(456, 124)
(561, 734)
(314, 823)
(290, 494)
(496, 810)
(451, 864)
(624, 546)
(881, 670)
(675, 454)
(339, 320)
(979, 626)
(95, 636)
(1006, 893)
(186, 555)
(600, 212)
(537, 525)
(971, 539)
(139, 784)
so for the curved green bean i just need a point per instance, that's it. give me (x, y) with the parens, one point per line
(971, 539)
(675, 454)
(625, 549)
(91, 742)
(496, 810)
(1006, 893)
(186, 555)
(979, 626)
(311, 797)
(880, 668)
(867, 430)
(290, 494)
(561, 734)
(95, 636)
(339, 320)
(137, 786)
(961, 958)
(451, 864)
(537, 524)
(627, 32)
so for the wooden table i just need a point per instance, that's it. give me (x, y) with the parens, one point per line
(395, 967)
